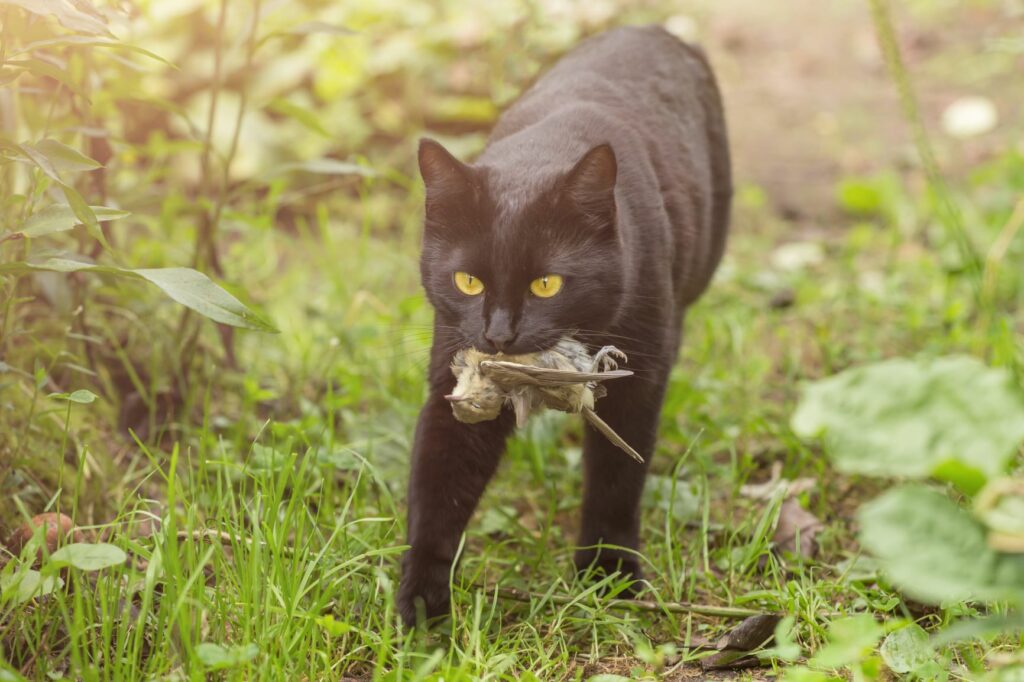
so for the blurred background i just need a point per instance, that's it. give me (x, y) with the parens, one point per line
(270, 144)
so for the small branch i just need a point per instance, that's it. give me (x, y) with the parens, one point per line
(225, 538)
(628, 604)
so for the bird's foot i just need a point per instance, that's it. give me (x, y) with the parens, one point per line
(607, 359)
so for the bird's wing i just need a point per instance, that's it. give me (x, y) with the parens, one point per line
(609, 433)
(515, 373)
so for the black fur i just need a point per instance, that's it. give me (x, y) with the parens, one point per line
(613, 172)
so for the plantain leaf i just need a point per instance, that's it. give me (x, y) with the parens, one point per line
(907, 650)
(82, 396)
(27, 584)
(850, 639)
(217, 657)
(951, 417)
(935, 551)
(87, 556)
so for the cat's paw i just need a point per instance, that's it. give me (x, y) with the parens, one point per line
(424, 593)
(593, 566)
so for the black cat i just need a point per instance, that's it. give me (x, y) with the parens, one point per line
(599, 209)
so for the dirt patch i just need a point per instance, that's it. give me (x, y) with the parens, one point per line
(809, 99)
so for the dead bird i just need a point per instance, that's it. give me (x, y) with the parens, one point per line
(565, 378)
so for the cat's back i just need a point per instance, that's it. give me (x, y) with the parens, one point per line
(655, 99)
(633, 70)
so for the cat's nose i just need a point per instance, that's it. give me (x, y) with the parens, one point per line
(500, 341)
(500, 332)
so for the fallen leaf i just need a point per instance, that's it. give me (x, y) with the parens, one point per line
(729, 660)
(751, 634)
(736, 646)
(796, 522)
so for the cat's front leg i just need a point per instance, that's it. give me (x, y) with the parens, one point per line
(451, 465)
(613, 484)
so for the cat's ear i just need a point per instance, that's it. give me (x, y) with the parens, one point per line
(591, 182)
(443, 174)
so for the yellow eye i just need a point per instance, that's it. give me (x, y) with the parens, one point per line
(468, 284)
(546, 286)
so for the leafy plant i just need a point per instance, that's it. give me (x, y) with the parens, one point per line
(49, 166)
(947, 419)
(950, 418)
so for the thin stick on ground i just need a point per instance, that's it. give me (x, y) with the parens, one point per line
(633, 604)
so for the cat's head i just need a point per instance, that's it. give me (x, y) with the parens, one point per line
(511, 261)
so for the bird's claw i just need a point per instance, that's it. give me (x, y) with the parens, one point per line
(607, 359)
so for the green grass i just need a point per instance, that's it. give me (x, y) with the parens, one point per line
(303, 470)
(264, 519)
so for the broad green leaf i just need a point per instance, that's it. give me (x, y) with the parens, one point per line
(986, 626)
(82, 396)
(27, 584)
(916, 417)
(61, 217)
(907, 649)
(87, 556)
(189, 287)
(935, 551)
(65, 158)
(195, 290)
(849, 640)
(217, 657)
(67, 13)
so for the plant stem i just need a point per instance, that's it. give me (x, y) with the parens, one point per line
(206, 227)
(950, 214)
